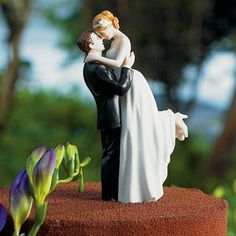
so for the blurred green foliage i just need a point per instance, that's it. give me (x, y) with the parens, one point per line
(46, 117)
(187, 162)
(228, 192)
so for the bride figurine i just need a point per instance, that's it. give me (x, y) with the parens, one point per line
(147, 135)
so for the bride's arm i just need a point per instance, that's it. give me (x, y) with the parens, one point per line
(124, 48)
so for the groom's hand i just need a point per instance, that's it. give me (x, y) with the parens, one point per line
(129, 61)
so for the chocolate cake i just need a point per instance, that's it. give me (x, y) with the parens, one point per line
(179, 212)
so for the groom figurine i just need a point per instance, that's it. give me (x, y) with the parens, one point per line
(106, 89)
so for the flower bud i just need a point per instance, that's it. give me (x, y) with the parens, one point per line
(3, 217)
(33, 159)
(42, 175)
(70, 159)
(60, 152)
(77, 160)
(70, 152)
(20, 200)
(85, 162)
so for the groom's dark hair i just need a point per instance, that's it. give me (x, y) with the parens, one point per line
(84, 41)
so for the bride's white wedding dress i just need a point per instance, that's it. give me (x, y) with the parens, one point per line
(147, 141)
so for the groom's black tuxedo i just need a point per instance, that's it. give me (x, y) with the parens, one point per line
(106, 89)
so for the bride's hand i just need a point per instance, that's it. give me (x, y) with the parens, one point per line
(91, 57)
(129, 61)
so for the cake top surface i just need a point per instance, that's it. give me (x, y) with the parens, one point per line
(68, 207)
(176, 202)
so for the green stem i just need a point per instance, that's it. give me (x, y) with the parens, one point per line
(76, 172)
(64, 181)
(81, 180)
(68, 179)
(77, 161)
(40, 213)
(55, 178)
(71, 168)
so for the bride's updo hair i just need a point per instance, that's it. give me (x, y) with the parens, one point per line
(107, 15)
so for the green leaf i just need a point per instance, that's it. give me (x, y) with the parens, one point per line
(85, 162)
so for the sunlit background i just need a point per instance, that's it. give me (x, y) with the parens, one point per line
(186, 50)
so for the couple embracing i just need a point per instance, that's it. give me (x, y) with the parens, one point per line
(137, 139)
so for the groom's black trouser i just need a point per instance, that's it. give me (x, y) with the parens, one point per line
(110, 139)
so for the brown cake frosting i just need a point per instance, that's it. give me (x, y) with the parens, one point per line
(179, 212)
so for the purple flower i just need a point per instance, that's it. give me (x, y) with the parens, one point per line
(3, 217)
(33, 159)
(20, 200)
(42, 175)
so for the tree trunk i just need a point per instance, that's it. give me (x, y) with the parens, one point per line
(221, 159)
(16, 15)
(9, 80)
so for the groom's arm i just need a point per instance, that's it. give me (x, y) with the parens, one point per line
(108, 82)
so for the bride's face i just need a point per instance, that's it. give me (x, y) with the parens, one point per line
(106, 34)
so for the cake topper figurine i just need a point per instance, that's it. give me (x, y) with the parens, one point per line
(106, 89)
(137, 139)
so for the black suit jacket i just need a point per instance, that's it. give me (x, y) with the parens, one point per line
(106, 89)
